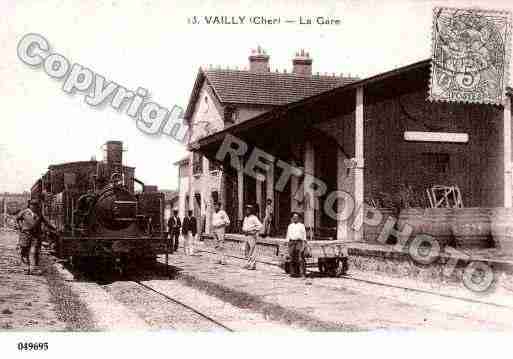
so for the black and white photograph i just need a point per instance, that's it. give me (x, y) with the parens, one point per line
(305, 178)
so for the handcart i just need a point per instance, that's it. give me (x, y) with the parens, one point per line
(329, 257)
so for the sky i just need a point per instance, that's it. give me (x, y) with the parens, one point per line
(150, 44)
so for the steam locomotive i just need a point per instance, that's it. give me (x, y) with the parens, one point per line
(99, 215)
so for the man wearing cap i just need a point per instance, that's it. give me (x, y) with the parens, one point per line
(296, 235)
(268, 219)
(220, 221)
(251, 226)
(30, 221)
(173, 226)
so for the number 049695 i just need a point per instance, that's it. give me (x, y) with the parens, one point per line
(40, 346)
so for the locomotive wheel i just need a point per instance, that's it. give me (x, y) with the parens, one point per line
(76, 263)
(120, 266)
(83, 264)
(149, 261)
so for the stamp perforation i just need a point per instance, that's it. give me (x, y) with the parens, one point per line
(457, 70)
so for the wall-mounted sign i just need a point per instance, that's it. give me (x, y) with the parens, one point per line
(471, 51)
(435, 136)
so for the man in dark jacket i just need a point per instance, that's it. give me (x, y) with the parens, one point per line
(173, 226)
(30, 220)
(189, 229)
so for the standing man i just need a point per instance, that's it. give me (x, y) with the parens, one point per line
(30, 221)
(296, 235)
(220, 221)
(173, 226)
(268, 219)
(189, 229)
(251, 226)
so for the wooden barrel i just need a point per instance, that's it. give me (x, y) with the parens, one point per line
(372, 232)
(413, 217)
(437, 223)
(502, 228)
(471, 227)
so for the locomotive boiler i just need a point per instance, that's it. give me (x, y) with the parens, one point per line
(99, 214)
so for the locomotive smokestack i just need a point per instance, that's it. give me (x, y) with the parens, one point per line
(114, 153)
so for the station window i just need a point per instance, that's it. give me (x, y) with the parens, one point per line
(183, 170)
(231, 115)
(197, 163)
(215, 196)
(437, 162)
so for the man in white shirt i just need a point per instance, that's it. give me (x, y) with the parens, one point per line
(220, 221)
(296, 235)
(268, 219)
(251, 226)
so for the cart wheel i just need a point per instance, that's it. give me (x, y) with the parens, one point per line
(345, 262)
(76, 263)
(321, 265)
(303, 267)
(341, 268)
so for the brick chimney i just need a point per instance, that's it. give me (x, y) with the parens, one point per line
(302, 63)
(258, 60)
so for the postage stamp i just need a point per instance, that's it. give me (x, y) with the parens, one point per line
(470, 55)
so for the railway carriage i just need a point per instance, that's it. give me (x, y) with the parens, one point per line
(99, 215)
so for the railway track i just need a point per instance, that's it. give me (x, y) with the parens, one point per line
(203, 315)
(171, 304)
(166, 304)
(162, 310)
(389, 285)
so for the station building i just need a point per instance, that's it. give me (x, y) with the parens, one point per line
(363, 137)
(226, 98)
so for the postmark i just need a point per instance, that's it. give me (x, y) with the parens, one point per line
(470, 55)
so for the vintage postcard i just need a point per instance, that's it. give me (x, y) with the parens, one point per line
(169, 168)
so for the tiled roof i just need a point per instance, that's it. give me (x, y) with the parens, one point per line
(269, 88)
(422, 66)
(262, 88)
(273, 115)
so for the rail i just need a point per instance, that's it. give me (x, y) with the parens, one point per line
(176, 301)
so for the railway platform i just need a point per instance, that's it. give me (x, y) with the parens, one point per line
(349, 303)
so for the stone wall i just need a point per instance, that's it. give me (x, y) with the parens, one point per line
(380, 260)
